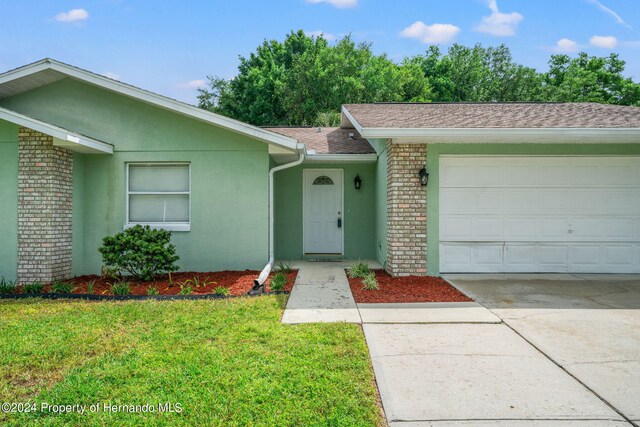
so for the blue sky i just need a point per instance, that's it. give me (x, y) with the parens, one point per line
(169, 47)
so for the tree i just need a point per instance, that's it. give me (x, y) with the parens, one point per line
(589, 79)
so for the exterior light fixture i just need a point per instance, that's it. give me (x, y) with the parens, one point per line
(424, 176)
(357, 182)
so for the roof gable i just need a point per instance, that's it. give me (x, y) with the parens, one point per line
(47, 71)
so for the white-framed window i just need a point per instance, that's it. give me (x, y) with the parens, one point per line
(159, 195)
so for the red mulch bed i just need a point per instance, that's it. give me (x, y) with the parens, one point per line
(238, 282)
(406, 289)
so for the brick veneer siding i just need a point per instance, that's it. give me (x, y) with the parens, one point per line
(45, 190)
(406, 210)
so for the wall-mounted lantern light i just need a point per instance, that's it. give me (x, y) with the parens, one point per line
(357, 182)
(424, 176)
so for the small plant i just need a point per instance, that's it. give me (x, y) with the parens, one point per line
(221, 290)
(285, 268)
(370, 283)
(6, 287)
(195, 282)
(121, 288)
(33, 288)
(109, 273)
(91, 286)
(278, 281)
(185, 290)
(358, 271)
(143, 252)
(60, 287)
(152, 290)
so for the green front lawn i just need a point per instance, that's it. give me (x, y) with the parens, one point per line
(226, 363)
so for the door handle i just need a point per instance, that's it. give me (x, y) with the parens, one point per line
(339, 222)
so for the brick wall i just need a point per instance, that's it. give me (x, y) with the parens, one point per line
(406, 210)
(45, 190)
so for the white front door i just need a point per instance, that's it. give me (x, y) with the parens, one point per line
(540, 214)
(323, 211)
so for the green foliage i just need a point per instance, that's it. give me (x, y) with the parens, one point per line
(90, 287)
(33, 288)
(359, 270)
(60, 287)
(121, 288)
(185, 290)
(196, 282)
(152, 290)
(369, 282)
(221, 290)
(141, 251)
(6, 287)
(304, 80)
(285, 268)
(278, 281)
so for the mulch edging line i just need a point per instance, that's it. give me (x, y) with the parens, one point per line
(92, 297)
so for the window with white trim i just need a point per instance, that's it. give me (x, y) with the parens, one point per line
(159, 194)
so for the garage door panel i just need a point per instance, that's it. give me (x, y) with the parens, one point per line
(539, 214)
(455, 228)
(488, 228)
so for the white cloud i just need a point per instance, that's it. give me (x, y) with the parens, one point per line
(111, 75)
(72, 16)
(565, 46)
(498, 23)
(610, 12)
(192, 84)
(318, 33)
(608, 42)
(341, 4)
(434, 34)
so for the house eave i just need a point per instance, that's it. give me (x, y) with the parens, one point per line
(506, 135)
(61, 137)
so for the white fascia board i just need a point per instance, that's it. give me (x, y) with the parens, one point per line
(341, 158)
(152, 98)
(55, 131)
(470, 133)
(353, 121)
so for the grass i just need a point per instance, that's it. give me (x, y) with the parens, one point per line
(278, 281)
(369, 282)
(227, 362)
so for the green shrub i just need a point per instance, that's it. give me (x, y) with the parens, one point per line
(121, 288)
(141, 251)
(285, 268)
(358, 271)
(278, 281)
(152, 290)
(33, 288)
(91, 286)
(60, 287)
(185, 290)
(370, 283)
(6, 286)
(221, 290)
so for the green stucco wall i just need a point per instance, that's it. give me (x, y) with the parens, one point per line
(8, 200)
(434, 151)
(359, 211)
(380, 145)
(229, 188)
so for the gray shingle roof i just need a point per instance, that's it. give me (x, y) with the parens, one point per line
(328, 140)
(494, 115)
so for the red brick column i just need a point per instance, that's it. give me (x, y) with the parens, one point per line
(406, 210)
(45, 191)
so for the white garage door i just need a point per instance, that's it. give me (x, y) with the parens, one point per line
(540, 214)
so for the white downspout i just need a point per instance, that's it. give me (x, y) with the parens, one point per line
(257, 283)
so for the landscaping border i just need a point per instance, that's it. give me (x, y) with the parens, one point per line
(93, 297)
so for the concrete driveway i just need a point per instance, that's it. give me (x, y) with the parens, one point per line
(588, 325)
